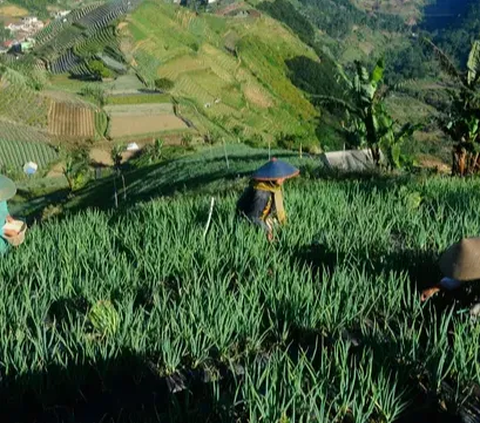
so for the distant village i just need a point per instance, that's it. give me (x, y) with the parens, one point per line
(22, 33)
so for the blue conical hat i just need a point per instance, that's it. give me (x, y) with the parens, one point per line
(275, 169)
(7, 188)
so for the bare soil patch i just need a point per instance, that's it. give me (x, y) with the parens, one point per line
(257, 97)
(131, 125)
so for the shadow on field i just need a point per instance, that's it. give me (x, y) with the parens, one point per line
(124, 390)
(167, 178)
(420, 266)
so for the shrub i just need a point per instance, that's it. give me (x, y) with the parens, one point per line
(164, 84)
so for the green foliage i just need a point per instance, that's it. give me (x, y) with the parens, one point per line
(99, 70)
(94, 92)
(101, 123)
(273, 312)
(104, 318)
(116, 155)
(409, 63)
(164, 84)
(369, 123)
(462, 123)
(75, 169)
(285, 12)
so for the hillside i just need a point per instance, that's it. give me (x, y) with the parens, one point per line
(91, 77)
(229, 73)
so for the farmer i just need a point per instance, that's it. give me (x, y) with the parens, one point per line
(262, 201)
(460, 263)
(7, 191)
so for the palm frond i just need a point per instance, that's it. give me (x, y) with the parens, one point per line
(378, 71)
(473, 64)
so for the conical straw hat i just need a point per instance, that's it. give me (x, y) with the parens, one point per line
(275, 169)
(7, 188)
(461, 261)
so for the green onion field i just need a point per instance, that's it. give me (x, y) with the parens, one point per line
(103, 310)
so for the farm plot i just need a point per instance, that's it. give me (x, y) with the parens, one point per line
(20, 144)
(124, 84)
(71, 120)
(142, 119)
(21, 104)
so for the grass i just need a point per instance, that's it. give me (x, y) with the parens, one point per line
(115, 306)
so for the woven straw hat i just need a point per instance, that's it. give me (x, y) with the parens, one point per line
(461, 261)
(7, 188)
(275, 169)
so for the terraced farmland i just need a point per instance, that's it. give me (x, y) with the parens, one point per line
(129, 121)
(21, 104)
(71, 120)
(251, 88)
(20, 144)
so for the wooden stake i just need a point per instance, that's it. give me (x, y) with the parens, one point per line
(212, 203)
(124, 188)
(115, 191)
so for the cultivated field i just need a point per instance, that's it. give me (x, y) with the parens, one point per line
(71, 120)
(132, 120)
(139, 316)
(124, 125)
(20, 144)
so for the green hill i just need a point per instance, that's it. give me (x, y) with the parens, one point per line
(229, 73)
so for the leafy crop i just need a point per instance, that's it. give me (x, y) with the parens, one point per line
(325, 322)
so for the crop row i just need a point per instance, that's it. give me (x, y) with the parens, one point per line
(18, 132)
(80, 71)
(17, 153)
(65, 63)
(104, 15)
(56, 26)
(70, 120)
(23, 105)
(95, 42)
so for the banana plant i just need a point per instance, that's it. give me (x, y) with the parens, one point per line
(462, 122)
(369, 123)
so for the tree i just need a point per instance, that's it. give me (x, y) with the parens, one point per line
(368, 122)
(462, 122)
(100, 70)
(75, 169)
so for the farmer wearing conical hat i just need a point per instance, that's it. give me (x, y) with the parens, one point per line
(7, 191)
(262, 201)
(460, 263)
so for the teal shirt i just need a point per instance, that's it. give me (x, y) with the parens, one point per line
(3, 219)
